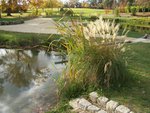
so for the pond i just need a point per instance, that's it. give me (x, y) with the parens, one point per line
(27, 80)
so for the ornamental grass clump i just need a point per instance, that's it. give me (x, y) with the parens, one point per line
(95, 56)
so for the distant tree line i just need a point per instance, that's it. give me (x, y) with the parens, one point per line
(105, 3)
(16, 6)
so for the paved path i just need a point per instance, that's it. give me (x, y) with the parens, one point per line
(38, 25)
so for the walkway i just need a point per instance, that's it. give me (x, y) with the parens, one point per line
(38, 25)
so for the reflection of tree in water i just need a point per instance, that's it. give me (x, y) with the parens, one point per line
(19, 65)
(1, 85)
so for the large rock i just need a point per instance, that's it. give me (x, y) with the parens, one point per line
(111, 106)
(93, 97)
(131, 112)
(102, 102)
(146, 36)
(84, 104)
(74, 103)
(122, 109)
(93, 109)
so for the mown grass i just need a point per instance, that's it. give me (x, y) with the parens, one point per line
(13, 39)
(136, 94)
(133, 34)
(14, 17)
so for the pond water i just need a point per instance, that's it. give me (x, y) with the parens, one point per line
(27, 80)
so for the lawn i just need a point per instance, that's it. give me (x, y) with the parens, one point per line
(89, 12)
(133, 34)
(137, 93)
(13, 39)
(15, 16)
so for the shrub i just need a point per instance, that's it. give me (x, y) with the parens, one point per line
(11, 22)
(133, 11)
(93, 18)
(61, 9)
(95, 56)
(67, 12)
(116, 11)
(127, 9)
(49, 12)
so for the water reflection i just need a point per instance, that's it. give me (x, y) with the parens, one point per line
(21, 67)
(24, 77)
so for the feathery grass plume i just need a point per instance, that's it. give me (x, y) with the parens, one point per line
(95, 56)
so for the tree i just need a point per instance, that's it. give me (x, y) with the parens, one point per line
(143, 2)
(36, 4)
(0, 9)
(53, 4)
(72, 3)
(9, 4)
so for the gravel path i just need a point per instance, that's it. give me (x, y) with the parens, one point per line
(38, 25)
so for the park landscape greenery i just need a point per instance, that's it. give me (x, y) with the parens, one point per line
(96, 63)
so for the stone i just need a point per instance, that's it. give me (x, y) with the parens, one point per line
(102, 102)
(111, 106)
(101, 111)
(146, 36)
(76, 110)
(131, 112)
(84, 104)
(74, 103)
(122, 109)
(93, 97)
(83, 112)
(93, 108)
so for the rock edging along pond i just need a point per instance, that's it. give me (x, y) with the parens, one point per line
(97, 104)
(11, 22)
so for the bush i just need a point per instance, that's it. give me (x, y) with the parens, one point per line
(62, 9)
(49, 12)
(133, 11)
(127, 9)
(95, 57)
(66, 12)
(129, 23)
(116, 11)
(93, 18)
(12, 22)
(140, 8)
(69, 12)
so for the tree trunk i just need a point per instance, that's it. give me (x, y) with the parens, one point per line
(37, 11)
(9, 11)
(0, 13)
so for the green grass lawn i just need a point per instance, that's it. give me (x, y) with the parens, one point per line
(133, 34)
(89, 12)
(13, 39)
(136, 94)
(15, 16)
